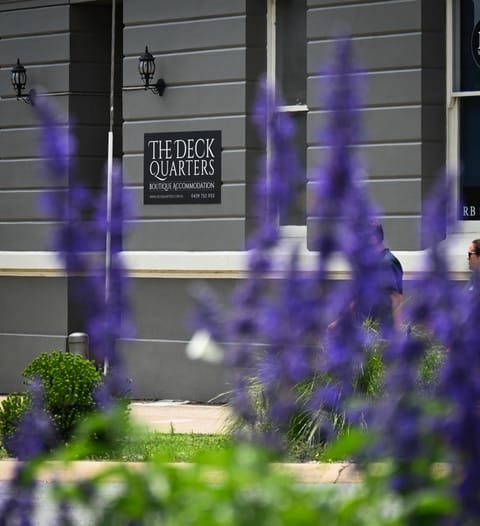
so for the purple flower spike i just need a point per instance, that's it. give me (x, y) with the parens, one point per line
(85, 232)
(35, 436)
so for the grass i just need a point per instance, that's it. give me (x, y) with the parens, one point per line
(171, 447)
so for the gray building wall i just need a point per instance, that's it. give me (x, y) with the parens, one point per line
(211, 54)
(401, 47)
(33, 309)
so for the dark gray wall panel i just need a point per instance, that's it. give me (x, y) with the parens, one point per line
(48, 78)
(373, 53)
(193, 68)
(403, 124)
(21, 173)
(186, 101)
(35, 21)
(143, 11)
(385, 88)
(368, 19)
(161, 370)
(233, 130)
(20, 205)
(21, 142)
(35, 49)
(433, 160)
(17, 114)
(194, 234)
(193, 35)
(388, 161)
(234, 167)
(321, 3)
(379, 160)
(433, 49)
(89, 77)
(25, 236)
(92, 139)
(397, 197)
(91, 109)
(31, 305)
(6, 5)
(157, 319)
(18, 351)
(232, 205)
(433, 123)
(401, 233)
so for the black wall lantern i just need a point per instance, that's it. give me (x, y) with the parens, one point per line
(19, 81)
(146, 68)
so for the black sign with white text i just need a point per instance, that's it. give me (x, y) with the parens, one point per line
(182, 167)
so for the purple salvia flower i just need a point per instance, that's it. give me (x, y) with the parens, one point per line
(80, 242)
(455, 323)
(407, 432)
(35, 434)
(34, 437)
(257, 317)
(346, 216)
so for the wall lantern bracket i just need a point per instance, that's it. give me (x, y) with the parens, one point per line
(146, 68)
(19, 81)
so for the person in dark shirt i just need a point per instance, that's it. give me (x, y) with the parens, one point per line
(385, 304)
(387, 308)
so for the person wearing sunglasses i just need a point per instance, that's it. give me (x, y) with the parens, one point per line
(474, 265)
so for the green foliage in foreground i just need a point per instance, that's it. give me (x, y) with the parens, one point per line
(236, 485)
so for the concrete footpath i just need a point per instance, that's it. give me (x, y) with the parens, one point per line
(185, 417)
(181, 417)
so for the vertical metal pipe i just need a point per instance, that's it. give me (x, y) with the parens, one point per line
(108, 248)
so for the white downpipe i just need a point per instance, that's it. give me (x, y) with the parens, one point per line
(108, 235)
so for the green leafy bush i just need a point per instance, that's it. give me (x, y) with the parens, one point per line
(69, 382)
(11, 409)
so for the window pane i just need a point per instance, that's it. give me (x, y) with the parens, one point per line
(291, 60)
(470, 45)
(295, 215)
(470, 156)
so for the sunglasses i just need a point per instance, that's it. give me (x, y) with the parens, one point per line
(470, 254)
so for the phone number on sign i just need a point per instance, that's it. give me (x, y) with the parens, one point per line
(202, 195)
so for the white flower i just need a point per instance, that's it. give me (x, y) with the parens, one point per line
(203, 347)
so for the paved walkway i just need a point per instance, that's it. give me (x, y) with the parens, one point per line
(183, 417)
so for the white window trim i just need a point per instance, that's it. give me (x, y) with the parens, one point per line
(462, 231)
(215, 265)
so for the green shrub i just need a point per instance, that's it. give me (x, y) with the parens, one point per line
(304, 438)
(69, 382)
(11, 409)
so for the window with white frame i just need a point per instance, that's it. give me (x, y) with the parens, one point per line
(463, 65)
(287, 70)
